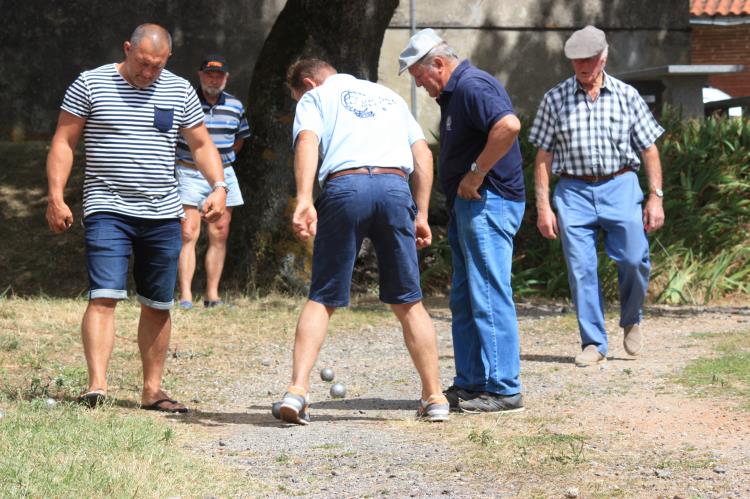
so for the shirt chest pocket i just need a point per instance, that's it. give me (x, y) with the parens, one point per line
(163, 118)
(618, 128)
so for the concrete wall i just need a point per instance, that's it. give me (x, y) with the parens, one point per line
(520, 41)
(44, 44)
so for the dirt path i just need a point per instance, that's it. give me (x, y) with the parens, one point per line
(626, 429)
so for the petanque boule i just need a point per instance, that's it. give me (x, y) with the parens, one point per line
(338, 390)
(327, 374)
(276, 410)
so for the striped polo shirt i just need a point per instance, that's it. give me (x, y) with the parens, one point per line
(130, 136)
(226, 122)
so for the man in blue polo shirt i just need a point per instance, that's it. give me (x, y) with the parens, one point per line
(481, 174)
(226, 122)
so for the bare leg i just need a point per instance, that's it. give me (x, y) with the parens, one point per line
(421, 341)
(218, 232)
(311, 331)
(98, 336)
(154, 329)
(191, 231)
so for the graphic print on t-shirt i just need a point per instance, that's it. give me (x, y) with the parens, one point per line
(363, 106)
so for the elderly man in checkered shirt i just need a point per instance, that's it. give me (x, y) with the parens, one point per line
(589, 131)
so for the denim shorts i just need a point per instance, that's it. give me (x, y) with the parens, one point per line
(194, 188)
(155, 244)
(350, 208)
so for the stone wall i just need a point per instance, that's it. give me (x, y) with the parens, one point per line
(46, 43)
(520, 41)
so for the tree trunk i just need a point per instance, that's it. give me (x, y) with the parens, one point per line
(264, 255)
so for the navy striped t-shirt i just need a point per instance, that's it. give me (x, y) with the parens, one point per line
(226, 122)
(130, 136)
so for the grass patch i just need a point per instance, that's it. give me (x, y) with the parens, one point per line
(541, 451)
(67, 451)
(725, 373)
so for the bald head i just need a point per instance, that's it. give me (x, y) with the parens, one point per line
(146, 54)
(158, 36)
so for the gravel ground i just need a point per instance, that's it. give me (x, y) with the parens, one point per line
(641, 433)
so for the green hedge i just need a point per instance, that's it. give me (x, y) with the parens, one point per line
(701, 253)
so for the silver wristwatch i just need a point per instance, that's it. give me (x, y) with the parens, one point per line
(475, 169)
(659, 193)
(222, 185)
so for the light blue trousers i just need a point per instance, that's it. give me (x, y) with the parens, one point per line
(485, 328)
(614, 208)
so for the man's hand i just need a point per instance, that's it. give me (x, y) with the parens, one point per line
(423, 232)
(214, 206)
(546, 222)
(305, 220)
(469, 186)
(59, 217)
(653, 214)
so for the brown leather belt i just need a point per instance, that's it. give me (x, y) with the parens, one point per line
(595, 178)
(192, 166)
(375, 170)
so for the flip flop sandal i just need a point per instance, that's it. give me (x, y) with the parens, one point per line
(161, 406)
(94, 398)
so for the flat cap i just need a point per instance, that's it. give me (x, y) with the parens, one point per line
(418, 46)
(585, 43)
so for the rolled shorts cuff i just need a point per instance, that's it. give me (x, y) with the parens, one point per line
(335, 304)
(114, 294)
(412, 298)
(158, 305)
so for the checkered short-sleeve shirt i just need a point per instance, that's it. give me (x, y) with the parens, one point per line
(594, 138)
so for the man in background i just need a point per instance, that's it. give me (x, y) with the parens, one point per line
(227, 125)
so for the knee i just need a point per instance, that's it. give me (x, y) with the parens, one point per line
(190, 231)
(219, 233)
(102, 305)
(635, 263)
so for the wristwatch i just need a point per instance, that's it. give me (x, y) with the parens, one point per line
(475, 169)
(220, 185)
(659, 193)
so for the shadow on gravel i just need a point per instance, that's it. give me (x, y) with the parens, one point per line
(563, 359)
(264, 418)
(366, 404)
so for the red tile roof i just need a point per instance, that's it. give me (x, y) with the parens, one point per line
(719, 7)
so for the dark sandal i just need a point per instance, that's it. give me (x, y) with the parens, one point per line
(166, 405)
(92, 399)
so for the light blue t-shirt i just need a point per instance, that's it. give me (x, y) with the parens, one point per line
(359, 123)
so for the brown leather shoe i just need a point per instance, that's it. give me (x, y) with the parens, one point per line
(590, 357)
(632, 339)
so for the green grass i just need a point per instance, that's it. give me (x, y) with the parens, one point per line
(726, 373)
(67, 451)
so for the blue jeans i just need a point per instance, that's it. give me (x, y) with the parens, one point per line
(111, 239)
(614, 208)
(485, 329)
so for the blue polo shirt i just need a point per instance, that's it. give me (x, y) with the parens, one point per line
(470, 104)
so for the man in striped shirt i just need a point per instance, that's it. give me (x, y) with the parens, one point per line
(227, 125)
(590, 130)
(130, 114)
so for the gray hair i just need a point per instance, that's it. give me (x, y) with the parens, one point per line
(157, 34)
(440, 50)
